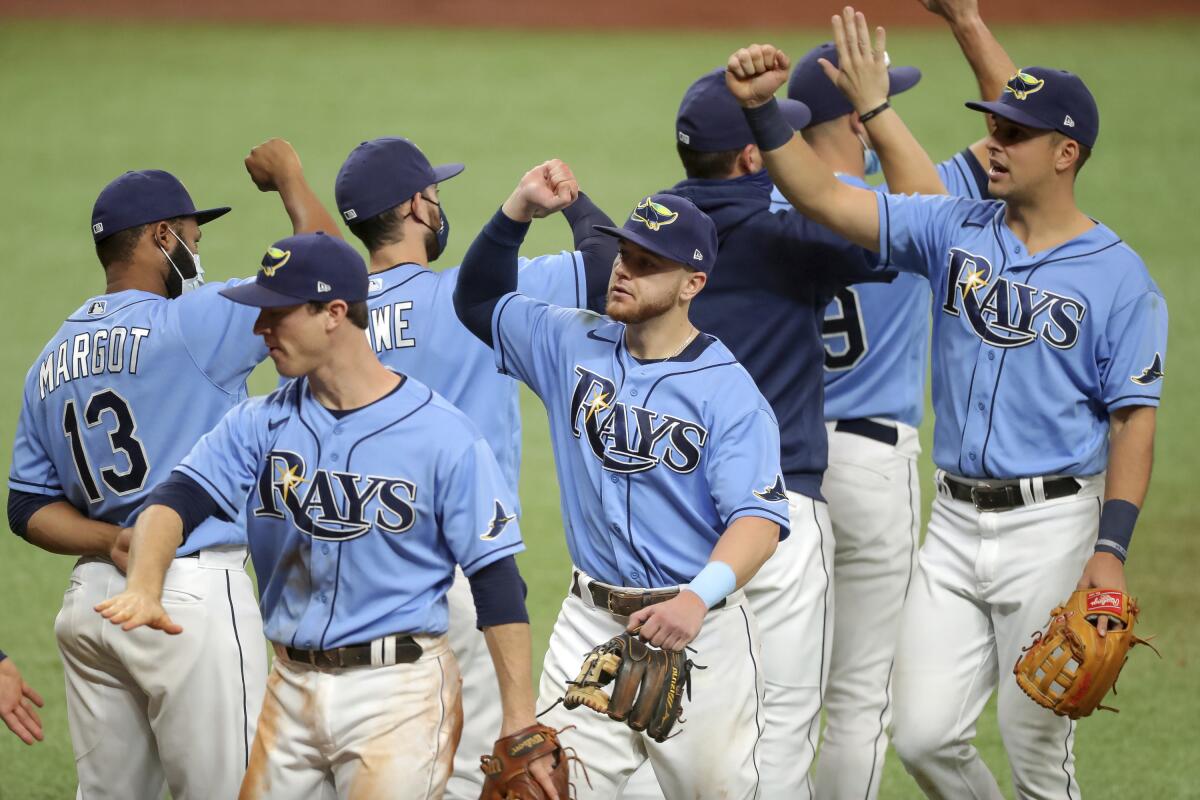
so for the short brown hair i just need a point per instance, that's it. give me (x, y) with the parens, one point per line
(386, 227)
(357, 313)
(706, 166)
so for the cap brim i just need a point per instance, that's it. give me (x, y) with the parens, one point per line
(901, 79)
(251, 293)
(640, 240)
(796, 113)
(209, 214)
(1010, 113)
(444, 172)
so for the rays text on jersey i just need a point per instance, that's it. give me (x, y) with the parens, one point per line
(1005, 313)
(98, 352)
(628, 438)
(334, 506)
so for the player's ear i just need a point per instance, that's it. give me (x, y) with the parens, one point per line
(750, 159)
(1066, 153)
(692, 285)
(336, 311)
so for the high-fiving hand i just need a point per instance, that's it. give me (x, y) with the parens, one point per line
(132, 609)
(862, 71)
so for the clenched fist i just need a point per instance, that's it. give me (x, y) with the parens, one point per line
(272, 163)
(753, 74)
(545, 189)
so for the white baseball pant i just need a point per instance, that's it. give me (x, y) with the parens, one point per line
(480, 692)
(358, 733)
(873, 491)
(714, 755)
(792, 599)
(148, 710)
(985, 582)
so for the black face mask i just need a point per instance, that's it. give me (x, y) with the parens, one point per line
(435, 245)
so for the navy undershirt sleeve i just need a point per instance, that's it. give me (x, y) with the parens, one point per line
(186, 498)
(499, 594)
(978, 173)
(489, 271)
(2, 655)
(598, 249)
(23, 505)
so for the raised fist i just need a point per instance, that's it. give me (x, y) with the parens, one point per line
(271, 163)
(545, 189)
(753, 74)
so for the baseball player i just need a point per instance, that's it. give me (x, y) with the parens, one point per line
(1048, 358)
(362, 488)
(876, 345)
(671, 490)
(777, 273)
(117, 397)
(387, 191)
(17, 701)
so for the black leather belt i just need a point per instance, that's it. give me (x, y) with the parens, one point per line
(1005, 495)
(624, 603)
(885, 434)
(356, 655)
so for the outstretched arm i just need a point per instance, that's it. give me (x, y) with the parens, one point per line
(157, 533)
(274, 166)
(489, 269)
(989, 61)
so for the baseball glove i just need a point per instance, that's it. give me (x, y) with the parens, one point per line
(647, 684)
(1069, 667)
(506, 770)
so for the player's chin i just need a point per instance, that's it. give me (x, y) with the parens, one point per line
(621, 307)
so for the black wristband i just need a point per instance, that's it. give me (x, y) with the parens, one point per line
(874, 112)
(770, 128)
(1117, 519)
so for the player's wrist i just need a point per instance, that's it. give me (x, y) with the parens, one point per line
(1117, 521)
(713, 583)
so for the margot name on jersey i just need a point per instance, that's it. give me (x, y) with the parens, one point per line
(1009, 314)
(328, 493)
(105, 350)
(608, 428)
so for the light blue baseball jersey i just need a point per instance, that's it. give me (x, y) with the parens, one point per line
(1031, 352)
(414, 330)
(877, 334)
(654, 460)
(356, 522)
(121, 393)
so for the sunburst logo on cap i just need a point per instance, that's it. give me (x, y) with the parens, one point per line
(654, 215)
(1023, 84)
(274, 260)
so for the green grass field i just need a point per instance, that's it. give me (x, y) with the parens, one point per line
(82, 103)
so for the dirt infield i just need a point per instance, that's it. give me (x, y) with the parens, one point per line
(611, 14)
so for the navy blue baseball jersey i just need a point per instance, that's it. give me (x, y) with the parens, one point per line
(356, 521)
(653, 464)
(877, 335)
(121, 393)
(1031, 351)
(414, 330)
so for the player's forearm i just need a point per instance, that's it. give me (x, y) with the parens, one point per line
(810, 185)
(1130, 454)
(597, 249)
(305, 209)
(157, 534)
(746, 545)
(60, 528)
(488, 272)
(906, 166)
(510, 648)
(989, 61)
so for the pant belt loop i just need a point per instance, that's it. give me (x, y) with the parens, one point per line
(389, 650)
(377, 653)
(1027, 495)
(1039, 489)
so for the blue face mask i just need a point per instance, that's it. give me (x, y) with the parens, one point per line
(871, 163)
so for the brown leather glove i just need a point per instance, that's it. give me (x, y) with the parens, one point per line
(506, 770)
(647, 684)
(1070, 667)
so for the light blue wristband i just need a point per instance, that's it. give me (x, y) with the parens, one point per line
(713, 583)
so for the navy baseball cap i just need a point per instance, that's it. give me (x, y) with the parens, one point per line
(382, 174)
(303, 268)
(1048, 100)
(141, 197)
(672, 227)
(810, 85)
(710, 119)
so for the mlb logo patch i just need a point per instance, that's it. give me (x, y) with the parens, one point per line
(323, 287)
(98, 307)
(98, 228)
(683, 137)
(1112, 602)
(350, 214)
(374, 285)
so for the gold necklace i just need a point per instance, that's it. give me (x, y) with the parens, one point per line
(682, 347)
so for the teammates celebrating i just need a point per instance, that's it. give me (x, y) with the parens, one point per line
(697, 364)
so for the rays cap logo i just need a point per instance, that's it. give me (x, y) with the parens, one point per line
(673, 228)
(319, 268)
(1048, 100)
(380, 174)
